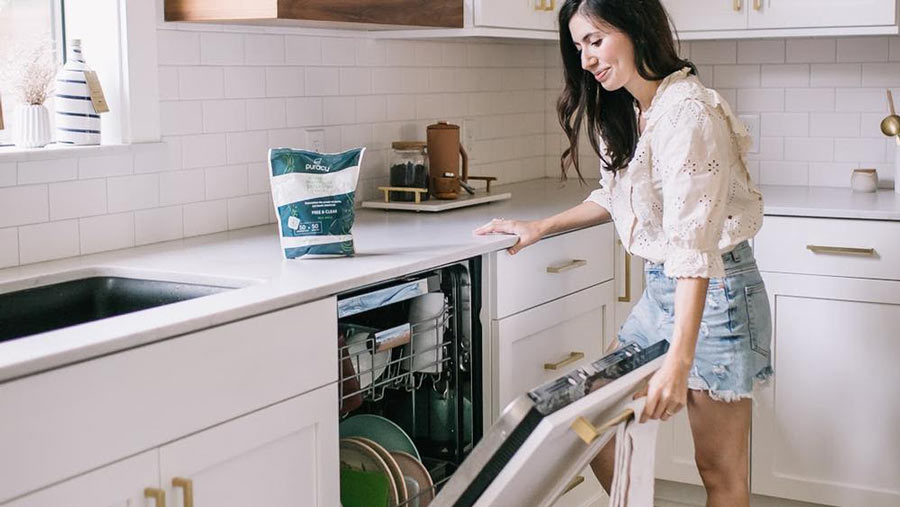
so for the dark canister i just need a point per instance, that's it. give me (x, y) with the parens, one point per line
(409, 168)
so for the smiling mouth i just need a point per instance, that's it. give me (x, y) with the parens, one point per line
(602, 74)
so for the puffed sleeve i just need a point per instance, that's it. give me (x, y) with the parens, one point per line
(694, 147)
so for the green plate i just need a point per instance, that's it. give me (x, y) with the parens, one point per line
(377, 428)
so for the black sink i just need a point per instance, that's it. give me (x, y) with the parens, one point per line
(31, 311)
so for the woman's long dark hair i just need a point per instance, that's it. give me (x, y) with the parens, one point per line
(611, 114)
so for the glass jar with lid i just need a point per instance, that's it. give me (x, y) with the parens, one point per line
(409, 169)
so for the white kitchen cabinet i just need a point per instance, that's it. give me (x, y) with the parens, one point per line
(827, 429)
(518, 14)
(121, 484)
(629, 283)
(717, 19)
(85, 416)
(283, 455)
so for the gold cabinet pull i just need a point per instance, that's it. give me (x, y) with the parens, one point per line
(840, 250)
(158, 495)
(540, 6)
(574, 263)
(188, 486)
(757, 5)
(571, 358)
(738, 5)
(551, 6)
(588, 432)
(627, 297)
(574, 483)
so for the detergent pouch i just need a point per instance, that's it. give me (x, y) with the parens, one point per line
(313, 195)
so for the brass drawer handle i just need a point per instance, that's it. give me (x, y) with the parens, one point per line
(627, 297)
(573, 484)
(738, 5)
(840, 250)
(540, 6)
(571, 358)
(757, 5)
(551, 6)
(588, 432)
(188, 486)
(158, 495)
(574, 263)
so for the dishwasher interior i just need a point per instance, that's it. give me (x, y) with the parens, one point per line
(410, 369)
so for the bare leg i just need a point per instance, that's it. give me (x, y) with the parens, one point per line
(721, 431)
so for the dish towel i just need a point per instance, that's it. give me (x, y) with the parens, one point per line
(632, 484)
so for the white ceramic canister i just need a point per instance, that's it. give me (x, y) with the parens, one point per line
(864, 180)
(76, 120)
(32, 127)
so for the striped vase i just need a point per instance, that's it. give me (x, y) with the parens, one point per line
(76, 120)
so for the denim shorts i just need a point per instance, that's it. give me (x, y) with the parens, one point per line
(732, 351)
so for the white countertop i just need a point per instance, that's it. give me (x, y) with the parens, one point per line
(388, 244)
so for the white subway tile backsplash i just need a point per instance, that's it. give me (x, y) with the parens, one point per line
(371, 109)
(81, 198)
(834, 125)
(443, 80)
(760, 51)
(221, 48)
(454, 55)
(205, 218)
(355, 136)
(287, 138)
(248, 211)
(179, 187)
(870, 124)
(107, 232)
(862, 100)
(428, 54)
(835, 74)
(304, 111)
(9, 247)
(201, 83)
(48, 241)
(339, 110)
(227, 115)
(429, 106)
(46, 171)
(400, 53)
(862, 49)
(226, 181)
(859, 150)
(881, 74)
(808, 149)
(258, 176)
(284, 81)
(168, 83)
(784, 173)
(714, 52)
(246, 147)
(132, 192)
(107, 165)
(736, 76)
(179, 118)
(371, 53)
(809, 99)
(322, 81)
(761, 100)
(400, 107)
(784, 76)
(414, 80)
(386, 80)
(159, 224)
(784, 124)
(266, 114)
(175, 47)
(817, 50)
(264, 49)
(301, 50)
(244, 82)
(830, 174)
(355, 81)
(7, 174)
(339, 51)
(203, 150)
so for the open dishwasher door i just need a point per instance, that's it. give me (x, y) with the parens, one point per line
(533, 451)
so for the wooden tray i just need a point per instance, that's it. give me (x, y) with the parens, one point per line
(435, 205)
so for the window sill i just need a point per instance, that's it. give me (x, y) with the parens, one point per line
(55, 151)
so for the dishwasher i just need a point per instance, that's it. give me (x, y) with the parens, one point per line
(412, 380)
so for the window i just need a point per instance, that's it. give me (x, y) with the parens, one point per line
(25, 22)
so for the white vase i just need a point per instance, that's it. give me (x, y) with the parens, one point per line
(76, 120)
(32, 126)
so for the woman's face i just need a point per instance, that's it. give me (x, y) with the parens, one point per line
(606, 53)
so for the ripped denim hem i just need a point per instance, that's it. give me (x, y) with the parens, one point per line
(760, 380)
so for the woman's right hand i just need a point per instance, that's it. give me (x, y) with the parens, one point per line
(529, 232)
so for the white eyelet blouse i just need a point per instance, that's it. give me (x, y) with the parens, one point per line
(686, 197)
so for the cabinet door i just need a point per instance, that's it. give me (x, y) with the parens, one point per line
(629, 283)
(522, 14)
(826, 431)
(286, 454)
(820, 13)
(121, 484)
(699, 15)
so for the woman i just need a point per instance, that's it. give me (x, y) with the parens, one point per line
(675, 183)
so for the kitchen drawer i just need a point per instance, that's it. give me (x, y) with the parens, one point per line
(80, 417)
(553, 268)
(828, 246)
(543, 343)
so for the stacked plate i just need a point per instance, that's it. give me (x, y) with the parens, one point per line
(380, 465)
